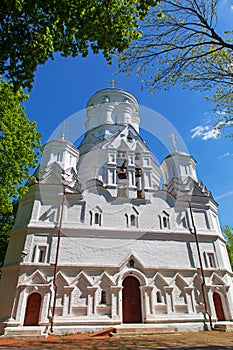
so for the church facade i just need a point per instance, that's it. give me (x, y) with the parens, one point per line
(99, 241)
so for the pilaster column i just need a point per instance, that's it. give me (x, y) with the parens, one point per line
(229, 297)
(111, 180)
(147, 178)
(91, 302)
(115, 301)
(22, 303)
(169, 299)
(45, 304)
(106, 113)
(131, 176)
(147, 290)
(209, 300)
(67, 300)
(189, 299)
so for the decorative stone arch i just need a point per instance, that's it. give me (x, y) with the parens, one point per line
(81, 276)
(180, 280)
(36, 278)
(216, 280)
(135, 273)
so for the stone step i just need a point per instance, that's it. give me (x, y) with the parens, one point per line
(144, 329)
(224, 326)
(25, 332)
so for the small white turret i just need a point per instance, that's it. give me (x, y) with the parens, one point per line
(178, 165)
(62, 152)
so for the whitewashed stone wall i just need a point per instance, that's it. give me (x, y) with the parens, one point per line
(112, 227)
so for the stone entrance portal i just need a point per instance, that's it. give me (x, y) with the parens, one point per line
(131, 300)
(33, 310)
(218, 307)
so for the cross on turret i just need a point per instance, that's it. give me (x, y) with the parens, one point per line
(64, 130)
(173, 137)
(113, 82)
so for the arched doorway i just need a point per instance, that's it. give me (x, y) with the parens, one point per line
(131, 300)
(218, 307)
(32, 310)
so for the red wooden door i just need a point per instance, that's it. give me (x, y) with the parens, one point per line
(218, 307)
(131, 300)
(32, 310)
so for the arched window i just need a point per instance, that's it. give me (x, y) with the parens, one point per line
(103, 299)
(132, 220)
(131, 263)
(59, 156)
(97, 218)
(129, 138)
(41, 255)
(165, 222)
(159, 297)
(106, 99)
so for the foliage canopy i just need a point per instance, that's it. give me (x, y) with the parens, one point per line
(183, 46)
(228, 233)
(6, 223)
(19, 145)
(32, 31)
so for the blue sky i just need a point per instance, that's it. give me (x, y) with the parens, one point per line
(63, 86)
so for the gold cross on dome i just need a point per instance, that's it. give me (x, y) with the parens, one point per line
(173, 137)
(64, 130)
(113, 82)
(95, 166)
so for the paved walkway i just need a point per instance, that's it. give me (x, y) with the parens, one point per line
(192, 341)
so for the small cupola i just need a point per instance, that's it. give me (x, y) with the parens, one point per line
(178, 165)
(112, 106)
(62, 152)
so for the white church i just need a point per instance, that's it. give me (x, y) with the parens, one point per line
(107, 237)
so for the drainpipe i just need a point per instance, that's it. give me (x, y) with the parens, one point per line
(56, 259)
(201, 267)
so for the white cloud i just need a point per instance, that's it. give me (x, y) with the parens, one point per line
(231, 7)
(207, 131)
(204, 132)
(224, 195)
(227, 154)
(221, 113)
